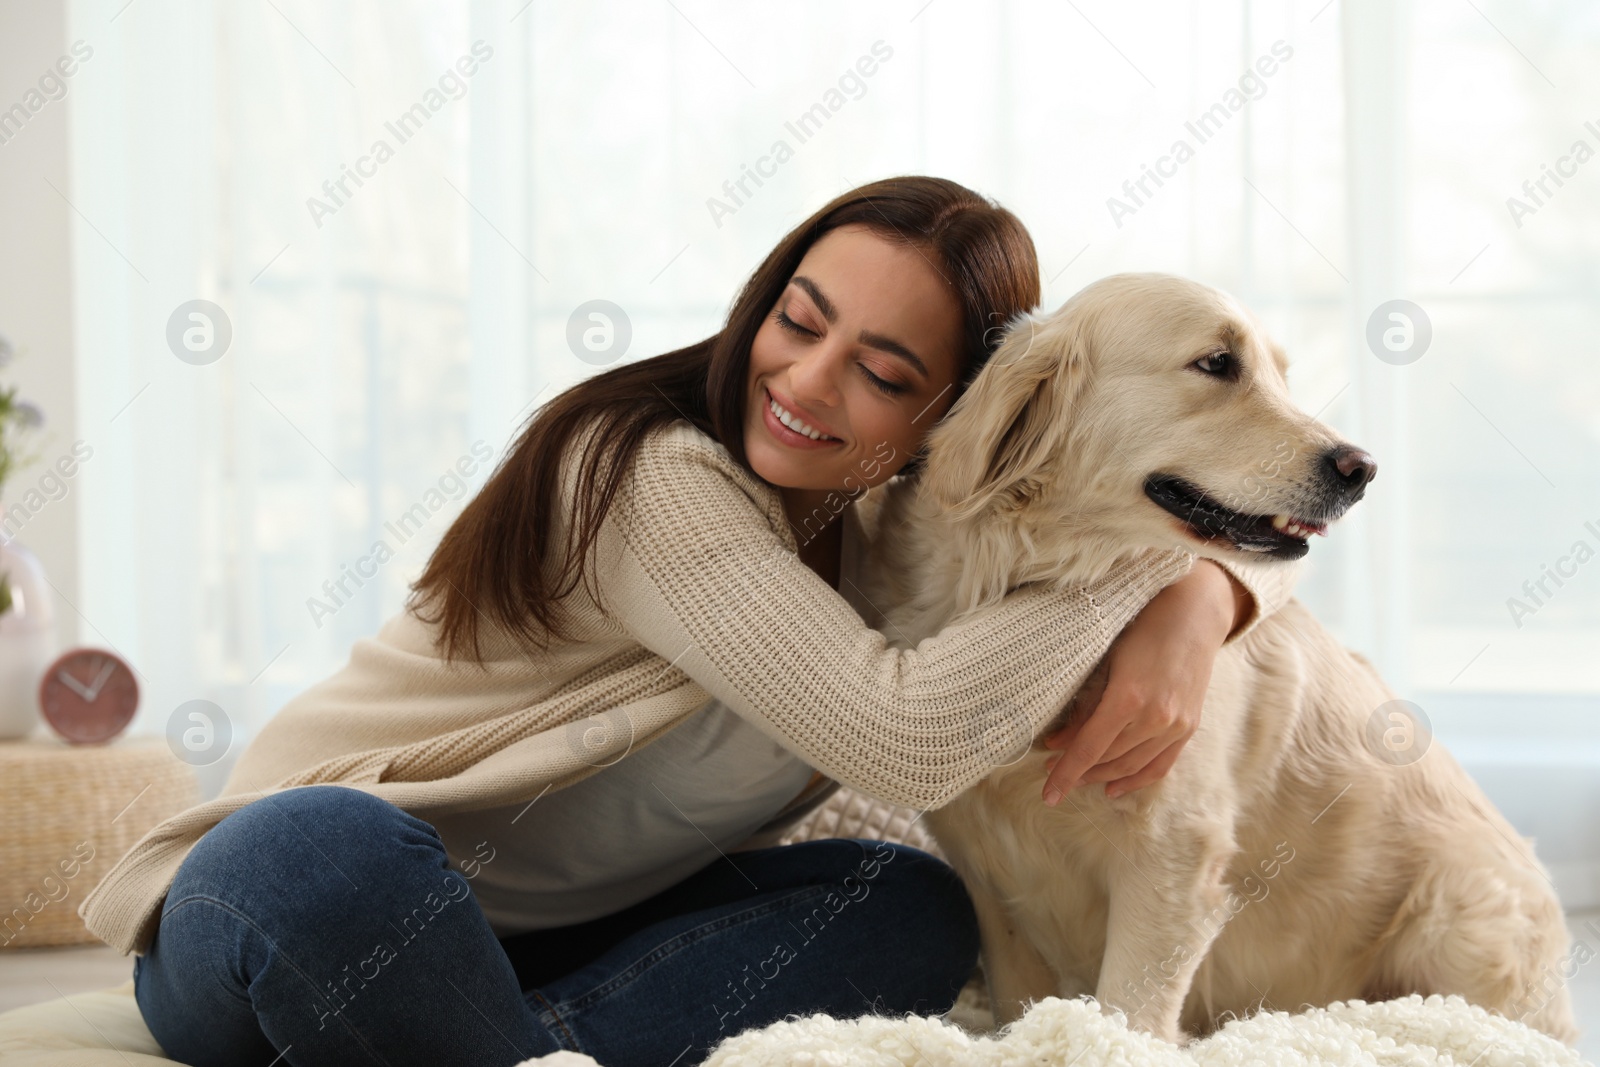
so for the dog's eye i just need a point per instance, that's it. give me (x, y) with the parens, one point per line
(1217, 364)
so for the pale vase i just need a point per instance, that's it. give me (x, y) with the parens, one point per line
(27, 640)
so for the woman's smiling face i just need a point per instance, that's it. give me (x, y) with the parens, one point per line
(863, 348)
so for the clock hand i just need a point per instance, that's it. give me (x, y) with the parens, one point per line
(99, 683)
(72, 683)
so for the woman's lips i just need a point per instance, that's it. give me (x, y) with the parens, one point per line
(783, 434)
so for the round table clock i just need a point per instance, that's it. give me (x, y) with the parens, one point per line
(88, 695)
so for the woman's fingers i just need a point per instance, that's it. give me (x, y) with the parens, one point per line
(1064, 736)
(1129, 763)
(1154, 683)
(1140, 719)
(1125, 766)
(1153, 771)
(1082, 704)
(1086, 750)
(1137, 729)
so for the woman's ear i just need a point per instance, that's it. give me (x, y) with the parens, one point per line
(991, 449)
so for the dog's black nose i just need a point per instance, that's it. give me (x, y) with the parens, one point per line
(1353, 467)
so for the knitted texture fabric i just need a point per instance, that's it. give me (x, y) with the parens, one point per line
(700, 593)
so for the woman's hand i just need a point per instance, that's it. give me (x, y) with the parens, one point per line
(1157, 673)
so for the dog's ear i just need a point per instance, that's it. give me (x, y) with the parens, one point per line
(998, 438)
(1279, 357)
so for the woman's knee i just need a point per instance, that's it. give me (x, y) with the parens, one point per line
(915, 900)
(929, 893)
(303, 837)
(288, 909)
(917, 922)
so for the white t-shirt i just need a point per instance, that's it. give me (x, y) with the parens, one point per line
(640, 825)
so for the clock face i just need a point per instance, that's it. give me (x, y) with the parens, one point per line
(88, 695)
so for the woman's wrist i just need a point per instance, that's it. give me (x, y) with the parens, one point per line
(1243, 600)
(1215, 602)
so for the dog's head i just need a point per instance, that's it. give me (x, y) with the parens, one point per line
(1147, 408)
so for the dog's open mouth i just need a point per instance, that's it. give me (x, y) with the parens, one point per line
(1273, 536)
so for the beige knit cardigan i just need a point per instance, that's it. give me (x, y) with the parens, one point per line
(701, 593)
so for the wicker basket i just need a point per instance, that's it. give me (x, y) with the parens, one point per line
(68, 813)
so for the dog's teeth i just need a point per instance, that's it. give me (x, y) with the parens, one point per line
(1289, 527)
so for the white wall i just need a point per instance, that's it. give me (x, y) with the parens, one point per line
(383, 342)
(36, 286)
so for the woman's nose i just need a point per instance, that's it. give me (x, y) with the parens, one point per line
(814, 376)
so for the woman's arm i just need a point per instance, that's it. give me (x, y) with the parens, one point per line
(689, 565)
(1159, 670)
(1265, 587)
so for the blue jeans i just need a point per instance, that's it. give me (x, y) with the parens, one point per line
(322, 925)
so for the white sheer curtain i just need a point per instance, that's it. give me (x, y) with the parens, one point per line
(1341, 154)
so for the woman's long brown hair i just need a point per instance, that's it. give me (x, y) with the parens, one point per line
(491, 565)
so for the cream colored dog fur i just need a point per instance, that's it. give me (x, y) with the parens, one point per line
(1294, 855)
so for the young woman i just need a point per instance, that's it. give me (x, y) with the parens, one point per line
(511, 824)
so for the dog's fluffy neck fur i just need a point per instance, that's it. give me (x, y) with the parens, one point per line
(969, 562)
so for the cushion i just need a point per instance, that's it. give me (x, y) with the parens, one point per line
(101, 1029)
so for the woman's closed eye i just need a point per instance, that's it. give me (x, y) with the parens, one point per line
(883, 385)
(782, 318)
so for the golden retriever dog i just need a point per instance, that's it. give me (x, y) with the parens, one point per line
(1307, 846)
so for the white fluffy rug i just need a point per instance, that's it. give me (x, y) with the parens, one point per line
(105, 1030)
(1411, 1032)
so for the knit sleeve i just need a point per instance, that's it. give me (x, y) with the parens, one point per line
(691, 566)
(1270, 584)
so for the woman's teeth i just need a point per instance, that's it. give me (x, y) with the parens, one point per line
(793, 423)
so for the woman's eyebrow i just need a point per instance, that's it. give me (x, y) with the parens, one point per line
(868, 338)
(825, 305)
(889, 344)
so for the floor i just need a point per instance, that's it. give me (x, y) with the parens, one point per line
(1586, 985)
(29, 976)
